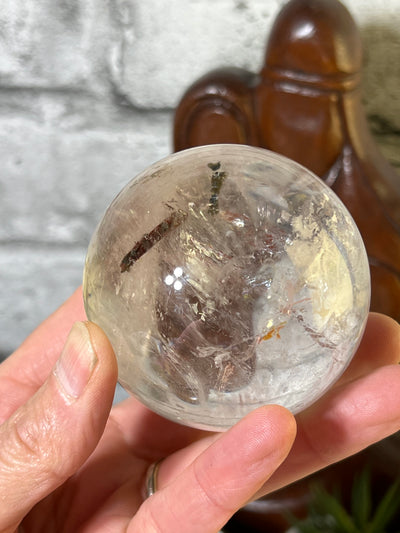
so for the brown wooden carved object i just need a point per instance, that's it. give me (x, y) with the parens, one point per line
(306, 104)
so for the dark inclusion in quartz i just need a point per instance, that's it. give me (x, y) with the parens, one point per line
(227, 277)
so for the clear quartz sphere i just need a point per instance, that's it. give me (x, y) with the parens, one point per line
(227, 277)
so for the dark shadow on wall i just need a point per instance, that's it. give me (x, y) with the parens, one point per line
(381, 75)
(381, 85)
(3, 356)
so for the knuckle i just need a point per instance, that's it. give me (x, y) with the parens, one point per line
(219, 500)
(147, 519)
(29, 444)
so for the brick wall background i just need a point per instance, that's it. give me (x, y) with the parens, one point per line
(87, 92)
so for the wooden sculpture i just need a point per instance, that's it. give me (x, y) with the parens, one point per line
(306, 104)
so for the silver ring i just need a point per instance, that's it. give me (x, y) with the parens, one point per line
(151, 479)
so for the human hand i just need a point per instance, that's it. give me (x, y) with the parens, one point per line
(66, 464)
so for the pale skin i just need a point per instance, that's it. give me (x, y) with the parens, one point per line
(69, 462)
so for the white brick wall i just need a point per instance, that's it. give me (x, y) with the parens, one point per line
(87, 90)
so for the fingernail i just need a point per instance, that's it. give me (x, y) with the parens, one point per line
(76, 362)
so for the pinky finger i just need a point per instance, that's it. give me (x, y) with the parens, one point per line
(222, 478)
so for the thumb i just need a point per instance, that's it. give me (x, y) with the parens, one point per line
(49, 437)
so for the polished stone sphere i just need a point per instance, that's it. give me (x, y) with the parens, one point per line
(227, 277)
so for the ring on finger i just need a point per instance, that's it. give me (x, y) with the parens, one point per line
(151, 480)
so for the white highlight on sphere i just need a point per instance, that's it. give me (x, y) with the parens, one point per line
(178, 285)
(169, 279)
(178, 272)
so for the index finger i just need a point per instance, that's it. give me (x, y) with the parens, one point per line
(221, 478)
(380, 346)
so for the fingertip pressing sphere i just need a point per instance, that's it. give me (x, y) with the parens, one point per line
(227, 277)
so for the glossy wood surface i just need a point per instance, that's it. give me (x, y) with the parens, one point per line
(306, 104)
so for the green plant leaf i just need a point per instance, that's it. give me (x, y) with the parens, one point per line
(386, 509)
(328, 515)
(315, 523)
(361, 501)
(330, 505)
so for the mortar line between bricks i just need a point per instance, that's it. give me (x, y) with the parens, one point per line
(37, 90)
(120, 99)
(24, 245)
